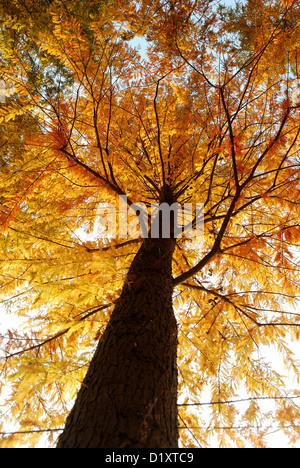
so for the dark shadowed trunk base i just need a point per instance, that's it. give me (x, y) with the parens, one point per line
(129, 396)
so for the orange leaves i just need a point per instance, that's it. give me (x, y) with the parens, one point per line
(18, 200)
(59, 139)
(59, 126)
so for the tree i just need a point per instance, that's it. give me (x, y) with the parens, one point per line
(145, 326)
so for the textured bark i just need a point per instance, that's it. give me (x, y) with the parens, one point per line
(129, 396)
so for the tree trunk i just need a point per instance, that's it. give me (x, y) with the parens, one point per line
(129, 396)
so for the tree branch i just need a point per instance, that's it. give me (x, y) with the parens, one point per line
(229, 122)
(198, 267)
(240, 400)
(158, 134)
(34, 431)
(239, 309)
(96, 174)
(57, 335)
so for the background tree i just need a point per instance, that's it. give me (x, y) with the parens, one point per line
(208, 116)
